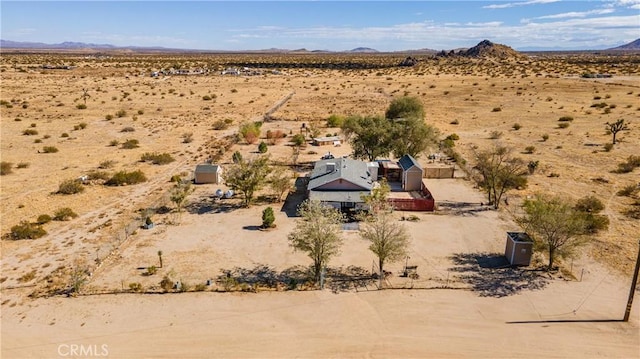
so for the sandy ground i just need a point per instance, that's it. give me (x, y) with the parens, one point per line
(456, 308)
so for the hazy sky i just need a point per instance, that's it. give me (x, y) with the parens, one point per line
(326, 25)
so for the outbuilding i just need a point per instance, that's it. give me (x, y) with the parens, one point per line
(519, 248)
(208, 173)
(411, 173)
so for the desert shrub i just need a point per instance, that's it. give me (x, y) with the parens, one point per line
(298, 139)
(151, 270)
(64, 214)
(628, 166)
(250, 132)
(262, 147)
(629, 190)
(43, 219)
(600, 105)
(64, 135)
(140, 112)
(106, 164)
(335, 121)
(70, 186)
(22, 165)
(176, 179)
(206, 98)
(81, 106)
(49, 149)
(453, 137)
(108, 117)
(608, 146)
(157, 158)
(123, 178)
(496, 109)
(26, 230)
(128, 129)
(532, 166)
(545, 137)
(589, 204)
(121, 113)
(565, 119)
(530, 149)
(494, 135)
(268, 217)
(135, 287)
(220, 125)
(454, 122)
(98, 175)
(234, 90)
(236, 157)
(516, 126)
(6, 168)
(187, 137)
(200, 287)
(130, 144)
(37, 140)
(30, 132)
(166, 283)
(82, 125)
(563, 125)
(114, 143)
(554, 175)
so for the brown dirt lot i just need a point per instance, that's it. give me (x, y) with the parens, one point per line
(467, 310)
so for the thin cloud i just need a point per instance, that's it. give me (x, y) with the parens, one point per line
(569, 33)
(520, 3)
(577, 14)
(631, 4)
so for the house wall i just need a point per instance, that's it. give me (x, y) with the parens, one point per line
(412, 180)
(207, 178)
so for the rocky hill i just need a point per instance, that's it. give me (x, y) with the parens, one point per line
(486, 49)
(632, 46)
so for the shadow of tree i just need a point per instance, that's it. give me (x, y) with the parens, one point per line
(294, 199)
(343, 279)
(491, 275)
(210, 204)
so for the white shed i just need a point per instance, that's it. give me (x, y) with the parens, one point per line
(208, 173)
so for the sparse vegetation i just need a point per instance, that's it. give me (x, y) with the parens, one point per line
(563, 125)
(26, 230)
(64, 214)
(124, 178)
(70, 186)
(6, 168)
(157, 158)
(615, 127)
(49, 149)
(130, 144)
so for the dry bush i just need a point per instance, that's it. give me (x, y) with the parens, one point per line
(49, 149)
(123, 178)
(70, 186)
(157, 158)
(26, 230)
(64, 214)
(130, 144)
(6, 168)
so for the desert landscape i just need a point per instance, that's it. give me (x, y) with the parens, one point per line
(242, 291)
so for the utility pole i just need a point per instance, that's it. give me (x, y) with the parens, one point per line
(627, 312)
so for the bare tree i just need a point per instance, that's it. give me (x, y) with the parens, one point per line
(85, 95)
(497, 172)
(389, 239)
(554, 224)
(616, 127)
(78, 276)
(317, 233)
(179, 194)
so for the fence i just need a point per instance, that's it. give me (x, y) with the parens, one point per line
(438, 172)
(424, 204)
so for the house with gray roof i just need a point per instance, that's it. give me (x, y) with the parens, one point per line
(340, 182)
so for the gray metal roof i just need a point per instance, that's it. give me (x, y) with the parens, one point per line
(207, 168)
(407, 161)
(347, 169)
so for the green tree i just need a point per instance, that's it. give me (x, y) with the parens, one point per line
(370, 136)
(389, 240)
(248, 176)
(497, 172)
(377, 200)
(317, 233)
(268, 217)
(236, 157)
(616, 127)
(554, 224)
(408, 108)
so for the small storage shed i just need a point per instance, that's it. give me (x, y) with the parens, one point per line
(208, 173)
(519, 248)
(411, 173)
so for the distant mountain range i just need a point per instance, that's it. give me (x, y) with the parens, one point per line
(483, 48)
